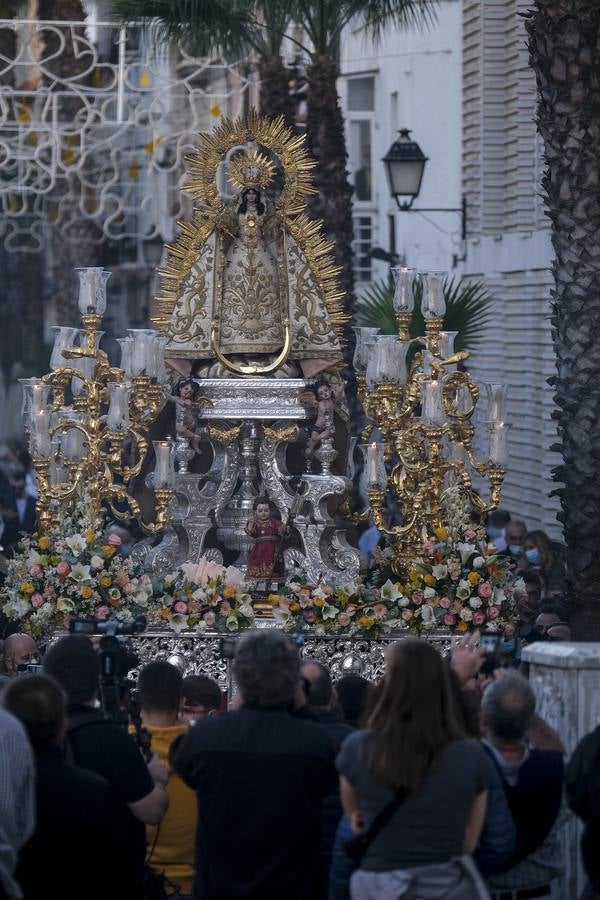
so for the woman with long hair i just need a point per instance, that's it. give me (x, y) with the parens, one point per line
(544, 557)
(415, 786)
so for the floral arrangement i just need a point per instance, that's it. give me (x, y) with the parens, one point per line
(350, 609)
(202, 596)
(458, 582)
(73, 571)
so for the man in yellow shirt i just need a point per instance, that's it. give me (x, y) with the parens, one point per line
(171, 845)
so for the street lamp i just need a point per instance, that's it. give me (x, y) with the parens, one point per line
(404, 166)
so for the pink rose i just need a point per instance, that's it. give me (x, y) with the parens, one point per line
(343, 619)
(122, 579)
(209, 617)
(225, 608)
(485, 590)
(181, 607)
(449, 619)
(113, 540)
(127, 587)
(380, 610)
(63, 569)
(470, 535)
(478, 618)
(445, 602)
(102, 612)
(37, 599)
(417, 597)
(35, 571)
(493, 612)
(310, 616)
(428, 548)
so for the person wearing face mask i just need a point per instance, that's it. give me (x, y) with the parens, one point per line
(497, 523)
(544, 557)
(516, 532)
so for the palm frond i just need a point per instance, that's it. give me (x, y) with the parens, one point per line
(467, 310)
(203, 26)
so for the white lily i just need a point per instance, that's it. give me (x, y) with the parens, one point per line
(439, 572)
(80, 573)
(390, 591)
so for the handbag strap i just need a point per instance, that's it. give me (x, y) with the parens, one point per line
(383, 817)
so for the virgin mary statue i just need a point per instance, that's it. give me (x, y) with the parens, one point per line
(249, 288)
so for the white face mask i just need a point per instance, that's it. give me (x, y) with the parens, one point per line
(515, 549)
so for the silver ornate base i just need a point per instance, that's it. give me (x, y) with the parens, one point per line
(249, 461)
(194, 653)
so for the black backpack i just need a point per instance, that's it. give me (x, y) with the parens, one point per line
(534, 801)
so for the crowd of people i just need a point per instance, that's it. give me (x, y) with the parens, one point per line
(437, 782)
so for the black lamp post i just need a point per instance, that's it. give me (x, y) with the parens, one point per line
(404, 166)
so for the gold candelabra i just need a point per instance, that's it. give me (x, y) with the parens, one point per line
(87, 420)
(424, 415)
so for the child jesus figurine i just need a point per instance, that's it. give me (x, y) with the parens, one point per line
(265, 560)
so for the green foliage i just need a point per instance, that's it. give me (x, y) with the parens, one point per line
(467, 310)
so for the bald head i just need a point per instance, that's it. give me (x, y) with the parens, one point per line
(19, 649)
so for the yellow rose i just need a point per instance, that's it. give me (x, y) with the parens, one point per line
(295, 607)
(105, 581)
(473, 578)
(26, 587)
(366, 622)
(44, 542)
(86, 592)
(318, 601)
(229, 592)
(89, 536)
(441, 534)
(462, 626)
(273, 598)
(430, 580)
(108, 550)
(165, 613)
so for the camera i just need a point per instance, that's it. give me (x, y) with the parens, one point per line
(110, 627)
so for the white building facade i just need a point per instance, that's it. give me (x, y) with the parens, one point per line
(465, 90)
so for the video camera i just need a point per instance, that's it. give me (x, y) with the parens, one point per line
(115, 659)
(109, 627)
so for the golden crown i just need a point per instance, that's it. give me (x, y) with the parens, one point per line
(250, 170)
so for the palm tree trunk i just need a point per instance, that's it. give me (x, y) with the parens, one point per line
(327, 143)
(563, 40)
(275, 98)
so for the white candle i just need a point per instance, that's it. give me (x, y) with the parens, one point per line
(372, 477)
(162, 471)
(40, 434)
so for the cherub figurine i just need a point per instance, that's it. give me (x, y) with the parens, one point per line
(323, 426)
(188, 401)
(265, 560)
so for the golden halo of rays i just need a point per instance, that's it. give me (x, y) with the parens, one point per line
(201, 183)
(248, 170)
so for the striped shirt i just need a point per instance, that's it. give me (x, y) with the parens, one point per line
(17, 798)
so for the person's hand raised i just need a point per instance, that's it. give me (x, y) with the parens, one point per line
(466, 656)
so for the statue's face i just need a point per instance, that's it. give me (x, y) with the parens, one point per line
(263, 512)
(186, 392)
(324, 392)
(251, 196)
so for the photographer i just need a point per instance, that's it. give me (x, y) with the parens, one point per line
(95, 743)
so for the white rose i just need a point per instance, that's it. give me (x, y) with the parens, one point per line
(429, 592)
(499, 597)
(439, 572)
(97, 562)
(475, 602)
(466, 614)
(478, 562)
